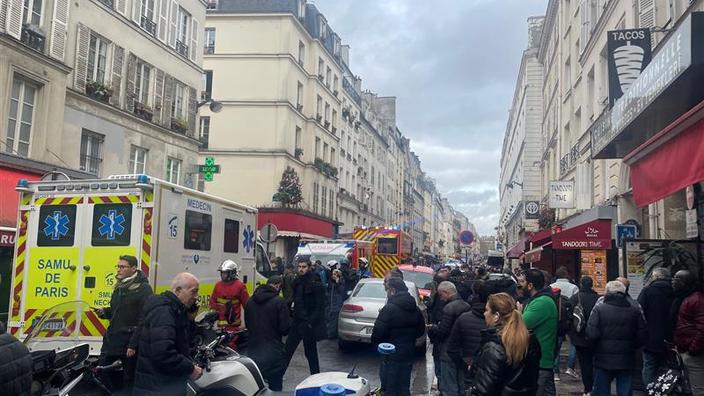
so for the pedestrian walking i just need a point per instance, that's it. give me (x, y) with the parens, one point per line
(164, 364)
(656, 301)
(268, 320)
(321, 272)
(617, 329)
(288, 278)
(567, 290)
(465, 337)
(337, 293)
(540, 317)
(120, 341)
(308, 316)
(507, 362)
(688, 317)
(228, 298)
(15, 366)
(400, 323)
(435, 307)
(451, 379)
(586, 299)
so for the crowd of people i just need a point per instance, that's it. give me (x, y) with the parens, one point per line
(489, 337)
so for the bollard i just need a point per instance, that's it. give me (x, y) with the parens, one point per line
(332, 390)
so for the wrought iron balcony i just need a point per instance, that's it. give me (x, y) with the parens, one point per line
(209, 49)
(182, 49)
(33, 38)
(148, 25)
(569, 160)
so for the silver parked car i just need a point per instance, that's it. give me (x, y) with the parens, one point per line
(360, 310)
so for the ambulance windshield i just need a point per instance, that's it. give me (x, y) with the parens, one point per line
(61, 322)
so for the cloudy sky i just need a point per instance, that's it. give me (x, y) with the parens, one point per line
(452, 65)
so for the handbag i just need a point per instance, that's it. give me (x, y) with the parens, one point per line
(673, 379)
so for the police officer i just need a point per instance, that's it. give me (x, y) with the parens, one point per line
(229, 296)
(120, 341)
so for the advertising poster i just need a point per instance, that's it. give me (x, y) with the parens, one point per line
(594, 266)
(635, 268)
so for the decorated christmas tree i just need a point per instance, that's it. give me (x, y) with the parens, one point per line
(289, 192)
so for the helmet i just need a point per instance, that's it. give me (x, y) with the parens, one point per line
(230, 268)
(363, 261)
(332, 264)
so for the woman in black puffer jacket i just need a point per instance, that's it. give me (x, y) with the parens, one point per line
(15, 366)
(507, 362)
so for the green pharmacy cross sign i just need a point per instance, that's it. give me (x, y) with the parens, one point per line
(208, 169)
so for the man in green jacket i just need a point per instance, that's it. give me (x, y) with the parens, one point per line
(540, 316)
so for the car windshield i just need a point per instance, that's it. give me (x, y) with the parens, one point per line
(422, 280)
(370, 290)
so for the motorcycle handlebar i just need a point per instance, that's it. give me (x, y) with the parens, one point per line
(114, 366)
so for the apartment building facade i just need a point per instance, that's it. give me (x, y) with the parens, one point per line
(520, 176)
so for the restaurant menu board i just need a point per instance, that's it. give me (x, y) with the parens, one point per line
(594, 266)
(635, 268)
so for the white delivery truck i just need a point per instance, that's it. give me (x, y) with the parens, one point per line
(72, 232)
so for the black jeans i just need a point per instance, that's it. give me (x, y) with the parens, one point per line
(275, 379)
(303, 331)
(585, 355)
(395, 377)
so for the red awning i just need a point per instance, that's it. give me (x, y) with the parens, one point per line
(540, 237)
(517, 250)
(295, 222)
(595, 234)
(669, 161)
(10, 197)
(534, 255)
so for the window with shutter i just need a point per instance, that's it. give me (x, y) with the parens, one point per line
(138, 160)
(173, 25)
(195, 31)
(13, 25)
(159, 97)
(646, 13)
(166, 107)
(131, 74)
(192, 110)
(118, 54)
(21, 117)
(4, 6)
(32, 12)
(163, 24)
(80, 71)
(97, 59)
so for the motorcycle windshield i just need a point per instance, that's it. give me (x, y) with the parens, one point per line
(61, 322)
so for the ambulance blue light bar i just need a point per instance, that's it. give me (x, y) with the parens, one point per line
(23, 186)
(143, 181)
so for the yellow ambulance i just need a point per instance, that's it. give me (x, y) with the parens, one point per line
(70, 234)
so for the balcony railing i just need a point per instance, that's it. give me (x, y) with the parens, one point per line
(569, 160)
(109, 3)
(209, 49)
(148, 25)
(182, 49)
(33, 38)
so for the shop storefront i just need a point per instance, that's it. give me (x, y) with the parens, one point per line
(295, 225)
(657, 128)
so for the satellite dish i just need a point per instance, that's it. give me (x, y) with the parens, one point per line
(215, 106)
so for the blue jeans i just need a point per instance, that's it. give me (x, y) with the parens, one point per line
(571, 357)
(395, 377)
(451, 381)
(603, 379)
(651, 362)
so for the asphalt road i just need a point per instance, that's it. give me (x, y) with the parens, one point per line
(366, 359)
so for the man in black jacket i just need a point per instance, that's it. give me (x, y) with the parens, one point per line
(15, 366)
(435, 307)
(308, 316)
(617, 328)
(163, 363)
(400, 323)
(587, 297)
(120, 341)
(450, 381)
(267, 318)
(656, 301)
(465, 337)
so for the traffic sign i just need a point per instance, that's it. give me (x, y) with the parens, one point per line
(269, 232)
(466, 237)
(625, 231)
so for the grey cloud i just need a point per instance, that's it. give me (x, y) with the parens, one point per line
(452, 64)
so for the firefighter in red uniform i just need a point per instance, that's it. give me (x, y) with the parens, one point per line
(229, 296)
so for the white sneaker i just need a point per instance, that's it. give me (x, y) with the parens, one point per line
(557, 377)
(572, 373)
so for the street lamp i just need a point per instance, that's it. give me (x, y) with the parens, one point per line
(214, 106)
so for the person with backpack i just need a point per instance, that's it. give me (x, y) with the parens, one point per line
(564, 290)
(583, 303)
(540, 317)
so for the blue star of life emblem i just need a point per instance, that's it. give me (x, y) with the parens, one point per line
(56, 225)
(111, 224)
(248, 241)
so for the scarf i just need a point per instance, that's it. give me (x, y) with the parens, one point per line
(129, 283)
